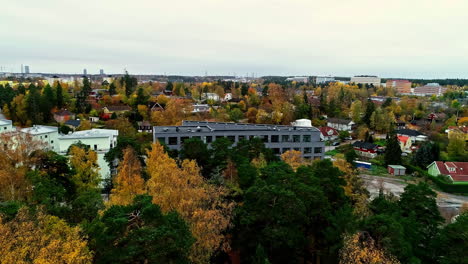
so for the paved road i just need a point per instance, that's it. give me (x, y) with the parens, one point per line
(449, 204)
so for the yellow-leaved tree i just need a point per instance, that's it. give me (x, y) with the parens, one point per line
(293, 158)
(41, 239)
(201, 204)
(128, 183)
(84, 164)
(360, 248)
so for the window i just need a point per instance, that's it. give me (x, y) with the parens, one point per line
(183, 139)
(95, 147)
(172, 140)
(297, 149)
(275, 138)
(161, 140)
(306, 138)
(209, 139)
(285, 138)
(52, 142)
(265, 138)
(45, 136)
(285, 149)
(318, 150)
(307, 150)
(296, 138)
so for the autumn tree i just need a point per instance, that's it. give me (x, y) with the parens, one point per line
(457, 146)
(16, 159)
(199, 203)
(293, 158)
(85, 169)
(128, 183)
(360, 248)
(41, 238)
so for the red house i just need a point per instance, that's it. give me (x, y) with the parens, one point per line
(365, 149)
(63, 116)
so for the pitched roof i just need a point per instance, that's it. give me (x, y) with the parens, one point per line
(328, 131)
(403, 139)
(409, 132)
(366, 145)
(74, 123)
(457, 170)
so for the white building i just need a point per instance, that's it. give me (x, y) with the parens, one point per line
(99, 140)
(46, 134)
(341, 124)
(324, 79)
(298, 79)
(366, 79)
(211, 96)
(6, 126)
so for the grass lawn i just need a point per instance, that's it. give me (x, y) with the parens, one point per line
(332, 152)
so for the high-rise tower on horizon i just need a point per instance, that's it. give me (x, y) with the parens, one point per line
(85, 72)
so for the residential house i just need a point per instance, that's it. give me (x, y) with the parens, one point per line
(200, 108)
(63, 116)
(414, 135)
(328, 133)
(145, 126)
(6, 126)
(459, 129)
(46, 134)
(457, 171)
(365, 149)
(227, 97)
(405, 143)
(210, 96)
(341, 124)
(93, 119)
(400, 124)
(73, 124)
(155, 107)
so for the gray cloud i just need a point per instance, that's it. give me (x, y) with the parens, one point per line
(290, 37)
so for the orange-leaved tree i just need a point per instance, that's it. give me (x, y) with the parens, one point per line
(41, 238)
(84, 164)
(184, 190)
(293, 158)
(128, 183)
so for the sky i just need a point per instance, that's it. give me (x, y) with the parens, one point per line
(397, 38)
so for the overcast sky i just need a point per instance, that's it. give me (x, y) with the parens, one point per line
(389, 38)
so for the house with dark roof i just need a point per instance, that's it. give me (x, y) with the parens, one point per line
(73, 124)
(145, 126)
(457, 171)
(415, 135)
(365, 149)
(341, 124)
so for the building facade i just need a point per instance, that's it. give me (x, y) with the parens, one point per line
(324, 79)
(341, 124)
(429, 90)
(277, 138)
(46, 134)
(366, 79)
(401, 86)
(6, 125)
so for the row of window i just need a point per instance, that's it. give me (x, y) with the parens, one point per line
(265, 138)
(317, 150)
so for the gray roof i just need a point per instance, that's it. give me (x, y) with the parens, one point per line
(339, 121)
(205, 126)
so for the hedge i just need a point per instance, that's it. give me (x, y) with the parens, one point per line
(444, 186)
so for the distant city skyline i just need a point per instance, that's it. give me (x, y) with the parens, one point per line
(391, 39)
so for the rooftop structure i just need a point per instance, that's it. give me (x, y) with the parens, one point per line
(279, 138)
(6, 125)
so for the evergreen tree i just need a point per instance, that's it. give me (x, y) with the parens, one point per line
(141, 99)
(426, 154)
(370, 108)
(112, 89)
(393, 150)
(47, 103)
(33, 104)
(60, 100)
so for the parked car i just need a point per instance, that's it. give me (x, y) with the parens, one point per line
(336, 143)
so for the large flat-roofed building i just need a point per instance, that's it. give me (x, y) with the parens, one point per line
(430, 89)
(366, 79)
(401, 86)
(324, 79)
(279, 138)
(46, 134)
